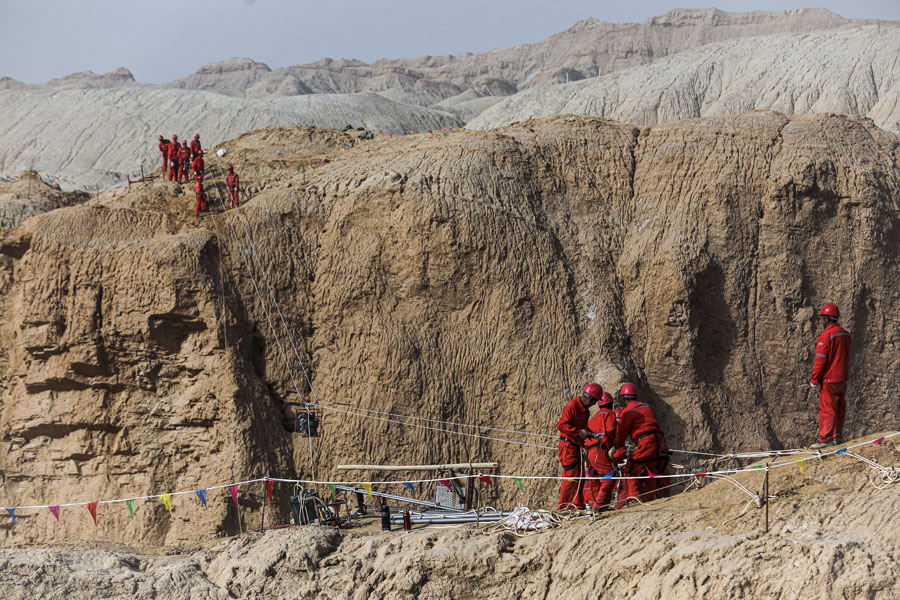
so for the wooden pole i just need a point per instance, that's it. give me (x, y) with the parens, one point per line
(484, 465)
(262, 524)
(766, 487)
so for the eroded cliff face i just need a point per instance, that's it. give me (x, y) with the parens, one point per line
(478, 277)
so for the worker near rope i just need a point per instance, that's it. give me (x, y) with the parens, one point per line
(233, 183)
(164, 148)
(174, 166)
(599, 463)
(830, 372)
(573, 432)
(198, 165)
(201, 196)
(184, 157)
(650, 454)
(195, 146)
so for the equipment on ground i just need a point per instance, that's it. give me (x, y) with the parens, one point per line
(304, 509)
(307, 422)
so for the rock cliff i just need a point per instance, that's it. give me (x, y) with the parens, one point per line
(476, 277)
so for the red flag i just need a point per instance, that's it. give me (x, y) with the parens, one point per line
(92, 508)
(55, 511)
(233, 488)
(446, 483)
(270, 485)
(486, 479)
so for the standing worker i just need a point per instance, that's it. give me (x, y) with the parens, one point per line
(573, 431)
(830, 371)
(201, 196)
(650, 451)
(198, 165)
(195, 146)
(599, 464)
(184, 157)
(164, 148)
(174, 170)
(233, 183)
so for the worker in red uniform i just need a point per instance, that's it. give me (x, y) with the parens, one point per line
(164, 148)
(201, 196)
(650, 453)
(174, 166)
(198, 165)
(573, 431)
(599, 464)
(195, 146)
(184, 155)
(830, 371)
(233, 183)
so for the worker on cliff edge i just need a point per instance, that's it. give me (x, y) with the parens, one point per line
(599, 464)
(195, 146)
(198, 165)
(573, 432)
(184, 157)
(650, 454)
(233, 183)
(174, 167)
(830, 371)
(201, 196)
(164, 148)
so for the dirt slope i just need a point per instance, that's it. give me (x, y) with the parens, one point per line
(826, 540)
(478, 277)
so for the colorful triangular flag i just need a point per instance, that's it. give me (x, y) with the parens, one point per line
(611, 473)
(410, 486)
(486, 479)
(446, 483)
(519, 483)
(12, 513)
(92, 508)
(202, 495)
(166, 499)
(368, 488)
(54, 510)
(333, 489)
(878, 441)
(130, 505)
(233, 488)
(270, 487)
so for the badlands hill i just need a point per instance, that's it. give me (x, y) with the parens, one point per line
(848, 71)
(96, 129)
(474, 277)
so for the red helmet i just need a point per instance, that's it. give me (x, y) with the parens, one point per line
(628, 391)
(160, 138)
(174, 137)
(199, 151)
(230, 168)
(830, 310)
(606, 399)
(593, 390)
(196, 136)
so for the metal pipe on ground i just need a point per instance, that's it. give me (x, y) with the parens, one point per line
(356, 490)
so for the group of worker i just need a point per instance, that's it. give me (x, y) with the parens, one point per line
(592, 449)
(180, 159)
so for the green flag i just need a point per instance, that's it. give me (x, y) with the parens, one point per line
(519, 483)
(333, 489)
(130, 504)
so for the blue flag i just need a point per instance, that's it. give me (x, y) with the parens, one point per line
(409, 485)
(202, 495)
(12, 513)
(610, 474)
(841, 451)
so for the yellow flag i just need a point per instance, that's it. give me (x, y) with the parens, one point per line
(167, 501)
(801, 461)
(368, 488)
(568, 479)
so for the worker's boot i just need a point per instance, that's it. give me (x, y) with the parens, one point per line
(820, 445)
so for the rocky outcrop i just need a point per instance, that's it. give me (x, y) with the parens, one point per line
(475, 277)
(88, 80)
(848, 71)
(30, 195)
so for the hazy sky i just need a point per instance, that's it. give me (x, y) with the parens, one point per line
(160, 40)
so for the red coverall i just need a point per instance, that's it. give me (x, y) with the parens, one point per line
(574, 418)
(598, 462)
(174, 167)
(201, 197)
(639, 423)
(164, 148)
(233, 184)
(830, 371)
(184, 157)
(198, 165)
(195, 148)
